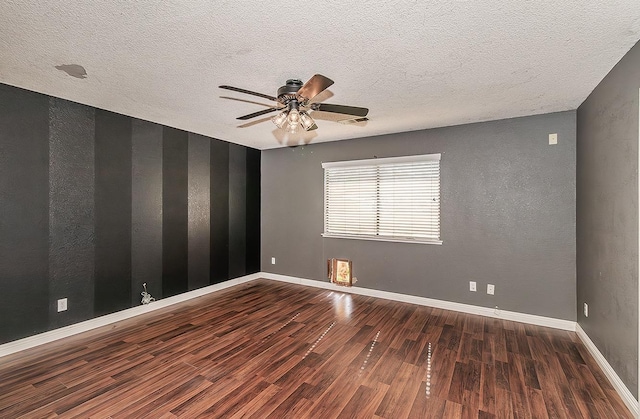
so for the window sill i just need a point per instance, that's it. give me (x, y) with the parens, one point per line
(382, 239)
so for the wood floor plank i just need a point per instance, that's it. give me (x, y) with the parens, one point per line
(234, 401)
(252, 406)
(116, 394)
(488, 388)
(269, 349)
(537, 407)
(442, 368)
(550, 391)
(337, 395)
(452, 410)
(365, 402)
(427, 407)
(504, 406)
(358, 402)
(398, 399)
(155, 404)
(456, 387)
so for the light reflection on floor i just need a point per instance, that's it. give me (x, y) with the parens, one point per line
(318, 340)
(280, 328)
(342, 306)
(373, 344)
(428, 386)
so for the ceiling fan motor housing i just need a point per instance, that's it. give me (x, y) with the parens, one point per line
(289, 90)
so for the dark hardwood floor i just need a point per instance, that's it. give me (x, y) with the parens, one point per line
(271, 350)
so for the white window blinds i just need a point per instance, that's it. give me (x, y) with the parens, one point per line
(393, 199)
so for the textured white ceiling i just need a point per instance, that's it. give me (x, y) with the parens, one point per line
(414, 64)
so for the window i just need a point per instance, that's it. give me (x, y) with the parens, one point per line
(390, 199)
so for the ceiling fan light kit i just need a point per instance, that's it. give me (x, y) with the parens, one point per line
(292, 119)
(306, 121)
(294, 98)
(280, 119)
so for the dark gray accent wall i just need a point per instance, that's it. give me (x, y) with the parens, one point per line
(607, 222)
(219, 207)
(24, 206)
(71, 211)
(199, 210)
(174, 212)
(113, 212)
(508, 216)
(253, 211)
(93, 204)
(237, 210)
(146, 209)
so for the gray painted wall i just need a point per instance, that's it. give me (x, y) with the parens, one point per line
(607, 223)
(508, 216)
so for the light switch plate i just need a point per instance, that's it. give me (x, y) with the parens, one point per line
(553, 139)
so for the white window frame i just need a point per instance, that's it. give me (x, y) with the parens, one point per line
(377, 164)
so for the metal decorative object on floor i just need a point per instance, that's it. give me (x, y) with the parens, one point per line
(146, 297)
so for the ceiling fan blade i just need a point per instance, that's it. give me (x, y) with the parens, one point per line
(247, 101)
(313, 86)
(347, 110)
(249, 92)
(253, 115)
(353, 120)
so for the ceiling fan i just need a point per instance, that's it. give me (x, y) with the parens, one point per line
(293, 102)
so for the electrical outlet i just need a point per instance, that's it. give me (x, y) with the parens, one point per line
(273, 261)
(472, 286)
(586, 310)
(62, 304)
(553, 139)
(491, 289)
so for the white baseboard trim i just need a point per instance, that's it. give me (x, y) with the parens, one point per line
(615, 380)
(430, 302)
(74, 329)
